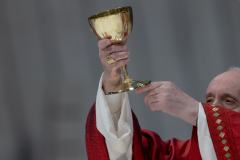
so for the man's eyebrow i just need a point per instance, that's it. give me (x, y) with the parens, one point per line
(209, 94)
(229, 95)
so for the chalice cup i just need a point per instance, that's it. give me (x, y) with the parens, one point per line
(116, 23)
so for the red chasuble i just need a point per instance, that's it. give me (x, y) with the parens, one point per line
(224, 127)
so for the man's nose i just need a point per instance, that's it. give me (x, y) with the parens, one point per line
(217, 102)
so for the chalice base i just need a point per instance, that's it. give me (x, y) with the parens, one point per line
(129, 86)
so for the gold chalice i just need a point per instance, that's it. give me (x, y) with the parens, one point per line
(116, 23)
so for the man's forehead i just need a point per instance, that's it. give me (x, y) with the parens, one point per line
(229, 76)
(226, 82)
(230, 73)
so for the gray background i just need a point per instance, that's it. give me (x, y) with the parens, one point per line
(49, 66)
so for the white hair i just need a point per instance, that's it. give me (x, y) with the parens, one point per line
(234, 68)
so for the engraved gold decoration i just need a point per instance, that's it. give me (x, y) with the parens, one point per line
(116, 23)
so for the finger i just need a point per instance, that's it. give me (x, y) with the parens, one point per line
(143, 89)
(115, 48)
(146, 88)
(155, 91)
(122, 62)
(104, 43)
(120, 55)
(152, 102)
(146, 100)
(149, 87)
(112, 49)
(154, 106)
(153, 99)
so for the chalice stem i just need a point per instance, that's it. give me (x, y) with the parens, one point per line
(125, 74)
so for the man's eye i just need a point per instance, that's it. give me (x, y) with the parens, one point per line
(209, 100)
(229, 100)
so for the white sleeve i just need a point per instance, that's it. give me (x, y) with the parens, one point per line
(114, 122)
(204, 138)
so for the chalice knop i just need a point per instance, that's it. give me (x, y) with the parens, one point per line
(116, 23)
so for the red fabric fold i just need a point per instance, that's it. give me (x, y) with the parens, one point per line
(147, 145)
(229, 122)
(95, 142)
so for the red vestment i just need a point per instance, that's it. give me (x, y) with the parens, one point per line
(224, 127)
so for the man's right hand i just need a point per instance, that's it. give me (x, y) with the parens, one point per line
(112, 72)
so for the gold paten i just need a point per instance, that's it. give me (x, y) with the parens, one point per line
(116, 23)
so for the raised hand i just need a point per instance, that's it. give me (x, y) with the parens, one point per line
(167, 97)
(118, 56)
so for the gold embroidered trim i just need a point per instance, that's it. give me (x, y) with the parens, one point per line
(215, 109)
(227, 155)
(218, 121)
(216, 114)
(224, 141)
(219, 127)
(222, 134)
(226, 148)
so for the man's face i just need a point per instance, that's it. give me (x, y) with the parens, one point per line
(224, 90)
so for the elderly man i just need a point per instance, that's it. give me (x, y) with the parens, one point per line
(113, 132)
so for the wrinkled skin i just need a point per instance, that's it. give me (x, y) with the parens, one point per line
(167, 97)
(224, 90)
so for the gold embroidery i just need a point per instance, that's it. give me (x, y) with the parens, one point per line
(218, 121)
(216, 114)
(222, 134)
(227, 155)
(224, 141)
(220, 127)
(226, 148)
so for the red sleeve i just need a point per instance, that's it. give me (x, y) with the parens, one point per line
(224, 127)
(157, 149)
(94, 140)
(147, 145)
